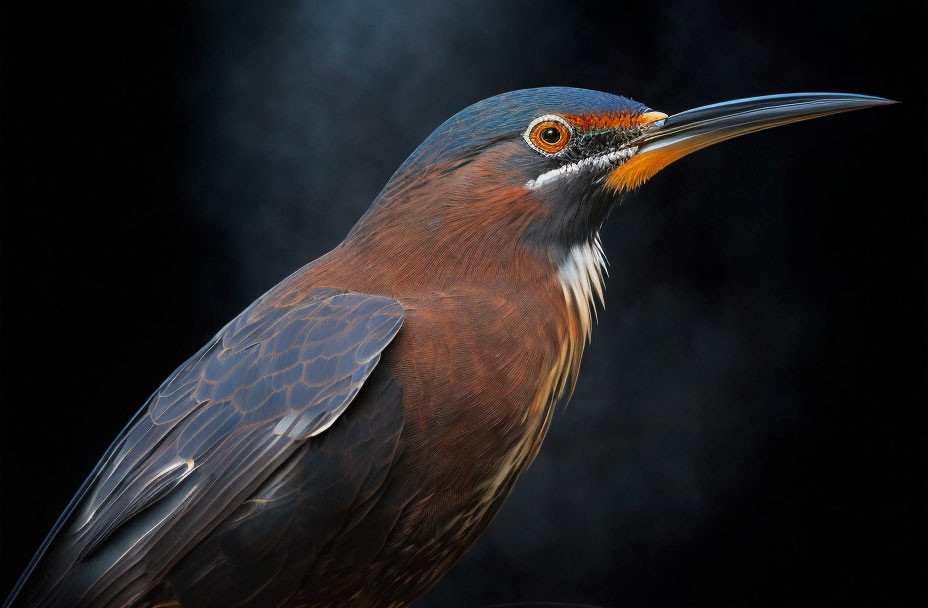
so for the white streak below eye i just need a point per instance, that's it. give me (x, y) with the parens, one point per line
(594, 162)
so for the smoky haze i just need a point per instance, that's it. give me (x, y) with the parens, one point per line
(749, 421)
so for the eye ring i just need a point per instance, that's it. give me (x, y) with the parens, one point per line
(548, 134)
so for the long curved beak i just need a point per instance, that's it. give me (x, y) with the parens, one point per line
(668, 139)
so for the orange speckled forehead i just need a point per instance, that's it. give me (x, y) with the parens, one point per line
(612, 120)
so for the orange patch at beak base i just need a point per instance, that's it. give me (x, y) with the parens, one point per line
(640, 168)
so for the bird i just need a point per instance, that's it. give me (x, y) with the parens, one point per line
(347, 437)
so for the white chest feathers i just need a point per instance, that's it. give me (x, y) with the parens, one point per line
(581, 276)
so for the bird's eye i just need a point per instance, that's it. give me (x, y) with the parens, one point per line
(548, 134)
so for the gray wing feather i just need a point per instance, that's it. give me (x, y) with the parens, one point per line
(211, 434)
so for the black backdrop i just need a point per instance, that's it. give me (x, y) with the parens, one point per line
(749, 426)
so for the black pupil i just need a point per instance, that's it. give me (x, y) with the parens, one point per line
(550, 135)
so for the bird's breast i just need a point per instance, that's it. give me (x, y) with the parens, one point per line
(481, 372)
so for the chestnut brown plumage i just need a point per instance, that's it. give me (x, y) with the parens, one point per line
(347, 437)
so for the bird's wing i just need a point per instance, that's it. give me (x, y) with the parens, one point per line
(317, 525)
(216, 429)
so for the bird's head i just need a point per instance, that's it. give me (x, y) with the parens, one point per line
(540, 169)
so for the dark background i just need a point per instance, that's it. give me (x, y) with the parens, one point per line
(749, 427)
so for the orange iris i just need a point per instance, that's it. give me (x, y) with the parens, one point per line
(550, 136)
